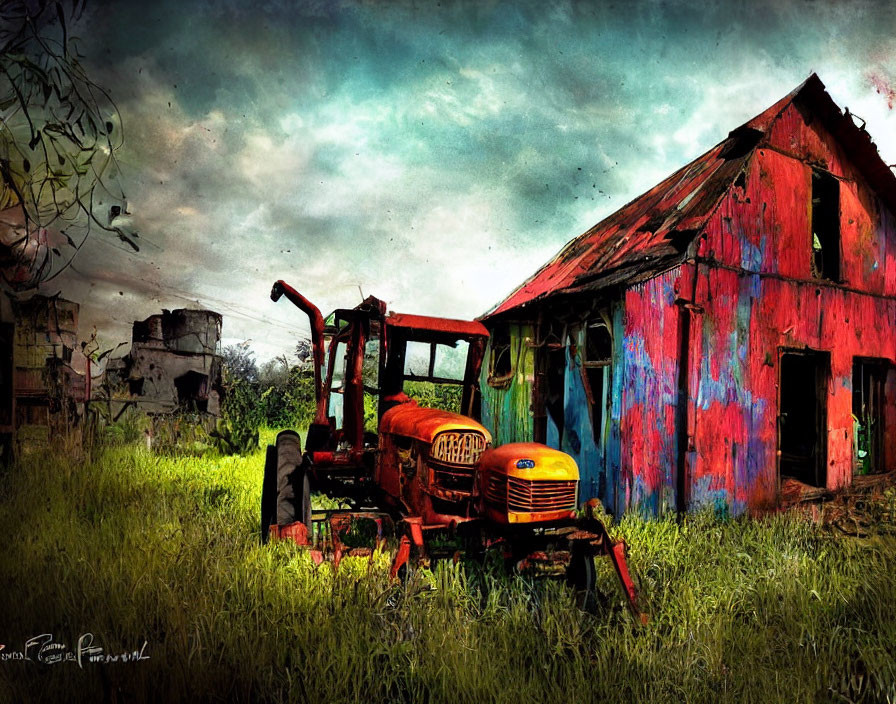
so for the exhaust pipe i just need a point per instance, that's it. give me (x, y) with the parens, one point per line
(280, 289)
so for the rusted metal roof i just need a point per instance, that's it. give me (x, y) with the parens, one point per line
(652, 233)
(467, 328)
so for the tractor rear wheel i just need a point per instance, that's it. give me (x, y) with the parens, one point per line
(293, 483)
(269, 492)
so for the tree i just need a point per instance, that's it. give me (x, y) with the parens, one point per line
(239, 360)
(59, 132)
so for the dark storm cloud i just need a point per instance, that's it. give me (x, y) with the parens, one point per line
(435, 153)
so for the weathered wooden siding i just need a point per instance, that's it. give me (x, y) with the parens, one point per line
(578, 436)
(649, 396)
(747, 320)
(764, 225)
(614, 495)
(579, 439)
(748, 294)
(733, 464)
(759, 296)
(507, 411)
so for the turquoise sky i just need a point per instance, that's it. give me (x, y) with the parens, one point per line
(433, 154)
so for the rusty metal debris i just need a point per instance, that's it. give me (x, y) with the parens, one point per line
(864, 508)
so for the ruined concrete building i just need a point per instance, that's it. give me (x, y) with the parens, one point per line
(175, 363)
(729, 331)
(42, 371)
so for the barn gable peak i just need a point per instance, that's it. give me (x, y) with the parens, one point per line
(653, 232)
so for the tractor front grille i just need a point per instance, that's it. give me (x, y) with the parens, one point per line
(453, 459)
(496, 491)
(525, 496)
(458, 448)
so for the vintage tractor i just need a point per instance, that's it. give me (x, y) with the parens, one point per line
(420, 474)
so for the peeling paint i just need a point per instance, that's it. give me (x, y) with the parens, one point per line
(697, 341)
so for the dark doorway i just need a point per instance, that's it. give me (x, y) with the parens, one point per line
(802, 419)
(555, 385)
(868, 378)
(550, 366)
(597, 364)
(192, 391)
(549, 389)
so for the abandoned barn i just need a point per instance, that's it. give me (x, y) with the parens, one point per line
(732, 327)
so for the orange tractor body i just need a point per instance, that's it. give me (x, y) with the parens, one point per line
(420, 470)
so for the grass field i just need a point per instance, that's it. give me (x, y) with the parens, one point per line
(133, 547)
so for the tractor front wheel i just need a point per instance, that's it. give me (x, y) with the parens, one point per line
(580, 574)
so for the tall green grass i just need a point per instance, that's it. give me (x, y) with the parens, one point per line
(136, 547)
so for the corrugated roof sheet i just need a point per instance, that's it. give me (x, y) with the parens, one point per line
(469, 328)
(652, 233)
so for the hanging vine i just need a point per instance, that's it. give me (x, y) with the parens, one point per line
(59, 133)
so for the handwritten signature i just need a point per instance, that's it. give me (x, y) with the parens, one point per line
(43, 649)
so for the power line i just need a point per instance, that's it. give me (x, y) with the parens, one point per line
(233, 309)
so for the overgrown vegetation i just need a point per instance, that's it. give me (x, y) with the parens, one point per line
(280, 394)
(59, 135)
(135, 547)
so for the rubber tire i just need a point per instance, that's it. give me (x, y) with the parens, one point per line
(581, 575)
(293, 483)
(268, 492)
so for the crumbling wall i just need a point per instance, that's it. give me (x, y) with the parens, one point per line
(175, 363)
(48, 384)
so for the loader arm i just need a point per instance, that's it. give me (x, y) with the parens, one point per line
(316, 320)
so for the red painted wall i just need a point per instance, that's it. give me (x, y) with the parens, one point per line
(649, 395)
(758, 295)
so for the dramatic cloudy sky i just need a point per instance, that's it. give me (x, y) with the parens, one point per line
(433, 154)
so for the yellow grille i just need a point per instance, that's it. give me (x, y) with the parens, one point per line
(523, 495)
(458, 448)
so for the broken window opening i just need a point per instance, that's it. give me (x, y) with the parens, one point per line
(500, 362)
(370, 374)
(868, 378)
(802, 422)
(135, 386)
(825, 226)
(597, 365)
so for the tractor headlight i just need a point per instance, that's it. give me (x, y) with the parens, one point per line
(525, 464)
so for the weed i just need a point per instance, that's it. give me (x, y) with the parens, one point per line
(133, 546)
